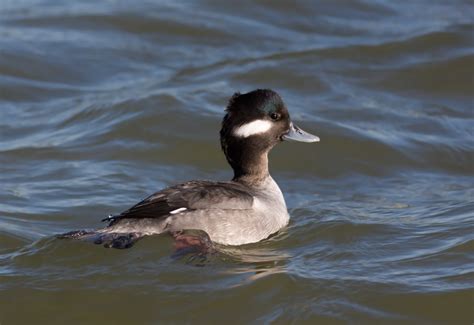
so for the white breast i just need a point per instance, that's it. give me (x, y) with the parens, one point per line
(271, 205)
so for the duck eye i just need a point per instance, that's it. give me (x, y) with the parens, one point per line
(275, 116)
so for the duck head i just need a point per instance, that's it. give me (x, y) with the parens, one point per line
(254, 123)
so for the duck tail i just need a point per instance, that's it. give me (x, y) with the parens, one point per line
(107, 239)
(76, 234)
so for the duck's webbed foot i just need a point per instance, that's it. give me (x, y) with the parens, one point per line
(192, 241)
(118, 240)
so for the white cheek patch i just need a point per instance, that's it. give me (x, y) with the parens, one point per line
(252, 128)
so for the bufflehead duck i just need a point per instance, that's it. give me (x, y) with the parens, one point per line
(247, 209)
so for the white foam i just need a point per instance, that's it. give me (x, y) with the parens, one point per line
(253, 128)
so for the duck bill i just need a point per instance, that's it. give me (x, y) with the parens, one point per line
(296, 134)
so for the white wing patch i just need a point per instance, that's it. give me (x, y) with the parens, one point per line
(252, 128)
(177, 210)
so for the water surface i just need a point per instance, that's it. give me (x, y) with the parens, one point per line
(103, 103)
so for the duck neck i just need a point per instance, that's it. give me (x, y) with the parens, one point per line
(249, 167)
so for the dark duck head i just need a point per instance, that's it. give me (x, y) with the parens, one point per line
(255, 122)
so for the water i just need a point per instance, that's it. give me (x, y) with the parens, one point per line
(102, 103)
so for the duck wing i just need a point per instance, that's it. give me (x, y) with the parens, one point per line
(193, 195)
